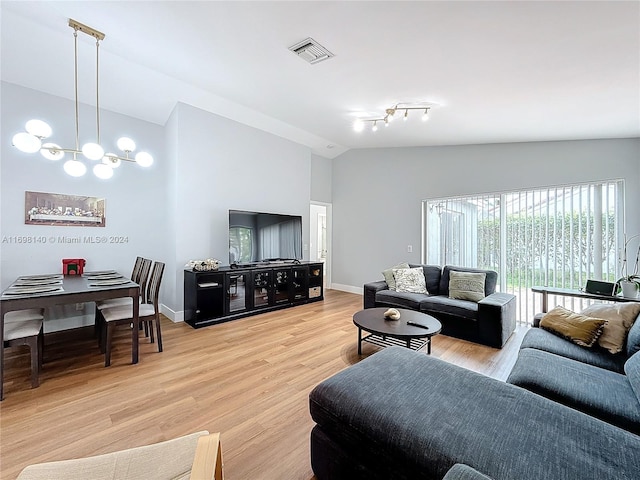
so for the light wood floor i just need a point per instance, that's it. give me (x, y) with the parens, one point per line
(248, 379)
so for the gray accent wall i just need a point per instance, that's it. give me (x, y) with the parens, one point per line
(377, 193)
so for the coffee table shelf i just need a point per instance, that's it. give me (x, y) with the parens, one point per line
(385, 341)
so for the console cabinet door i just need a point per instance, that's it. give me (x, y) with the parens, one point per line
(281, 285)
(237, 284)
(262, 288)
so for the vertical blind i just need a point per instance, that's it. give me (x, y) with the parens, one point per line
(557, 236)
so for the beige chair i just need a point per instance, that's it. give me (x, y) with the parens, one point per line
(149, 313)
(197, 456)
(25, 327)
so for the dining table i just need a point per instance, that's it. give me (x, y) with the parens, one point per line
(46, 290)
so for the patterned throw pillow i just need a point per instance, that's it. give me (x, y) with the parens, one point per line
(575, 327)
(466, 285)
(620, 318)
(410, 280)
(389, 277)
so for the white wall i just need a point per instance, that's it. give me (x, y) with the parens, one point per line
(377, 193)
(321, 179)
(226, 165)
(135, 203)
(175, 211)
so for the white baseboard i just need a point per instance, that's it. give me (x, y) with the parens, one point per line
(174, 316)
(347, 288)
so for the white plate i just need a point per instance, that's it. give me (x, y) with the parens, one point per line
(52, 276)
(111, 276)
(34, 283)
(102, 283)
(29, 290)
(98, 273)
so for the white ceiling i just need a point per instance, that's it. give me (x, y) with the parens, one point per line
(500, 71)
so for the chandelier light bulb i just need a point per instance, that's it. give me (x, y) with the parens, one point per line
(111, 159)
(126, 144)
(51, 151)
(75, 168)
(358, 126)
(26, 142)
(103, 171)
(375, 126)
(387, 119)
(93, 151)
(38, 128)
(425, 115)
(144, 159)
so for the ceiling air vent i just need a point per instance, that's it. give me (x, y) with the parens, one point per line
(311, 51)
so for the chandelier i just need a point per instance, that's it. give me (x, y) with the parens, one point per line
(31, 141)
(390, 113)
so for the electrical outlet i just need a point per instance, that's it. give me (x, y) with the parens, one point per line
(409, 248)
(79, 306)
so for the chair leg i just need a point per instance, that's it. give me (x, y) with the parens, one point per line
(107, 349)
(157, 320)
(40, 349)
(35, 360)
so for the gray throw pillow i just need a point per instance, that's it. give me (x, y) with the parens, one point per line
(388, 275)
(410, 280)
(466, 285)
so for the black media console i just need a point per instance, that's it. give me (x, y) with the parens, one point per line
(230, 293)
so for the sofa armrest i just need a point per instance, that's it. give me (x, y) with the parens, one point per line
(370, 290)
(496, 318)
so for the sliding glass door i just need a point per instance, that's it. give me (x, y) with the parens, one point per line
(557, 236)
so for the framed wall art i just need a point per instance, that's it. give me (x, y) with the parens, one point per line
(63, 210)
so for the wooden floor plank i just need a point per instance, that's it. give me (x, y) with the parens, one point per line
(248, 379)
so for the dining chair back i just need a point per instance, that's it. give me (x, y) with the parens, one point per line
(25, 327)
(137, 267)
(149, 313)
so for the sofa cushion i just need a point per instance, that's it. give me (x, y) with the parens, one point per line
(389, 277)
(432, 274)
(619, 317)
(399, 299)
(409, 415)
(548, 342)
(633, 339)
(435, 305)
(460, 471)
(632, 370)
(466, 285)
(489, 285)
(410, 280)
(595, 391)
(579, 329)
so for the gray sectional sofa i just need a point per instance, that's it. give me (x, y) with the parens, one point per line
(400, 414)
(491, 321)
(590, 380)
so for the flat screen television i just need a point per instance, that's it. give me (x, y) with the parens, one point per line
(260, 237)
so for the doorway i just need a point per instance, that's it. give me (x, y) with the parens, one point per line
(320, 237)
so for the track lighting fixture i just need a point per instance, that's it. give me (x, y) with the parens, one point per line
(390, 113)
(30, 141)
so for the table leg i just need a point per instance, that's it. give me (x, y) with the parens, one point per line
(359, 341)
(135, 331)
(428, 346)
(409, 343)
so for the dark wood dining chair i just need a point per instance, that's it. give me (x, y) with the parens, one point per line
(140, 275)
(149, 314)
(25, 327)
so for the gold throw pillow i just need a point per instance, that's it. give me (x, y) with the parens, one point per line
(620, 318)
(579, 329)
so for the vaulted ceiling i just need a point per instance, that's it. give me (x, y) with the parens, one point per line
(497, 71)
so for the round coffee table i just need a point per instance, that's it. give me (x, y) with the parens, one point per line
(384, 333)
